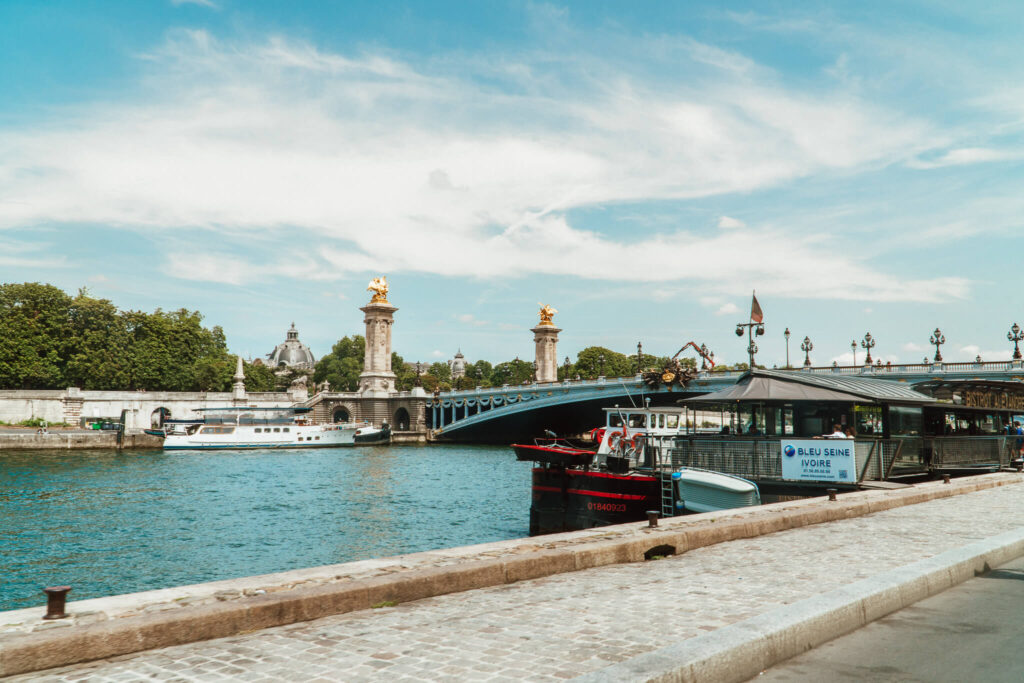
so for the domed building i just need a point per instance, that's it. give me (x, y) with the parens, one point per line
(458, 365)
(291, 354)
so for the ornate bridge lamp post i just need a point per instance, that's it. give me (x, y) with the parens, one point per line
(752, 329)
(705, 354)
(419, 371)
(786, 335)
(639, 355)
(1016, 336)
(600, 359)
(807, 347)
(566, 368)
(853, 347)
(937, 340)
(867, 344)
(534, 376)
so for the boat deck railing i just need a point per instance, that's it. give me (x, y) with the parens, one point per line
(760, 458)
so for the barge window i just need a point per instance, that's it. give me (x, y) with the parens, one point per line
(285, 429)
(905, 421)
(258, 430)
(637, 421)
(672, 421)
(614, 420)
(277, 429)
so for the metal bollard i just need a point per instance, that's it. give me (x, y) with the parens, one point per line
(652, 518)
(831, 494)
(55, 598)
(945, 478)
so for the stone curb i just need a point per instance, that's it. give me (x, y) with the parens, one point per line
(741, 651)
(64, 643)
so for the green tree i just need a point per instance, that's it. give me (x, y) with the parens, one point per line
(511, 372)
(34, 330)
(342, 366)
(405, 373)
(441, 371)
(259, 377)
(588, 363)
(97, 344)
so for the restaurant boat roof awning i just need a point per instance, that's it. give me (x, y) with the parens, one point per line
(774, 385)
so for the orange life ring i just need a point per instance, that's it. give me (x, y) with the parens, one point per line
(617, 441)
(638, 441)
(597, 434)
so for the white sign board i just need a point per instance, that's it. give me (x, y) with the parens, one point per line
(819, 460)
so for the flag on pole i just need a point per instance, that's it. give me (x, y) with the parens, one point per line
(755, 311)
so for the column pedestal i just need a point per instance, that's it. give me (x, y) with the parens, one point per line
(545, 339)
(377, 379)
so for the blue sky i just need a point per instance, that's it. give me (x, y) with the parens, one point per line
(639, 166)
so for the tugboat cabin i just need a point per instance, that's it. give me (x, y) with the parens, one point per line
(896, 430)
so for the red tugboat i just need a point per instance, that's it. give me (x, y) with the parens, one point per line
(571, 491)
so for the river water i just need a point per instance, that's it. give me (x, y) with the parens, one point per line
(107, 523)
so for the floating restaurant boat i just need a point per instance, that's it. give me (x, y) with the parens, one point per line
(773, 433)
(235, 428)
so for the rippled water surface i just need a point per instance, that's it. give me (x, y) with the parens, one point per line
(108, 523)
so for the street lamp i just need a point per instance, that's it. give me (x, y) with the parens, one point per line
(705, 355)
(600, 359)
(639, 355)
(853, 346)
(566, 368)
(419, 370)
(867, 344)
(807, 347)
(937, 340)
(1016, 337)
(534, 371)
(786, 335)
(752, 329)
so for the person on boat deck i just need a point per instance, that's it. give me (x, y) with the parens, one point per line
(848, 432)
(837, 433)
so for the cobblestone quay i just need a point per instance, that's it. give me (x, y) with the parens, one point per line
(565, 625)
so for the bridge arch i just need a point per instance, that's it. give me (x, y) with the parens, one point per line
(341, 414)
(401, 420)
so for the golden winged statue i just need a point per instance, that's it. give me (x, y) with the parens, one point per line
(546, 313)
(379, 287)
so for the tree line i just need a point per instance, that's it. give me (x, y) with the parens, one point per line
(341, 368)
(51, 340)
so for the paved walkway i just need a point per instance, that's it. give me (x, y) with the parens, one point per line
(971, 632)
(565, 625)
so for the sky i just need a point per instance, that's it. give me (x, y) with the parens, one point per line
(642, 167)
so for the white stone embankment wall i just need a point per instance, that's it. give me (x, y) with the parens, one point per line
(71, 404)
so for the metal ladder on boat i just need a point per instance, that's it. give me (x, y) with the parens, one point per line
(668, 495)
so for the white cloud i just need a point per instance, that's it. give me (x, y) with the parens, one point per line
(392, 167)
(965, 155)
(437, 353)
(727, 309)
(913, 348)
(99, 277)
(202, 3)
(470, 319)
(728, 223)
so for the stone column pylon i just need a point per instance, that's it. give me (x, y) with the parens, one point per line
(238, 388)
(377, 379)
(545, 339)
